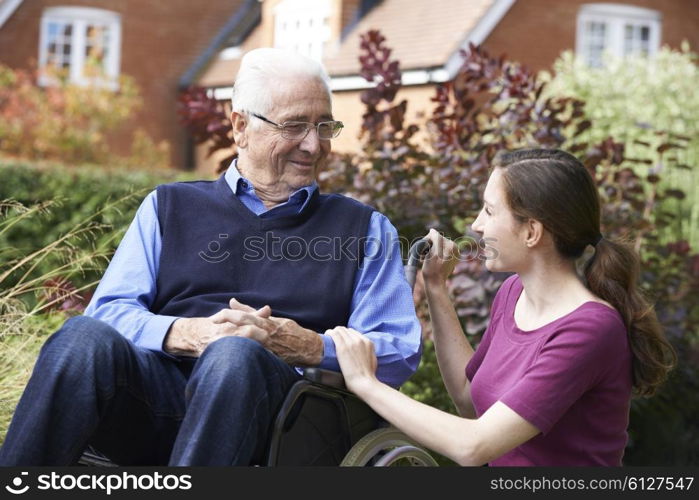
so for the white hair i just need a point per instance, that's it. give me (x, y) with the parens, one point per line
(262, 69)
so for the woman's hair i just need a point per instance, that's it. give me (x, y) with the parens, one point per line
(554, 188)
(263, 69)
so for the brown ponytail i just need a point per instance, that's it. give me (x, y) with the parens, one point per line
(612, 274)
(553, 187)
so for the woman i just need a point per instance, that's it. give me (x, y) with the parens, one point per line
(552, 379)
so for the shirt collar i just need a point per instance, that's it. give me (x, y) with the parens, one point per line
(239, 184)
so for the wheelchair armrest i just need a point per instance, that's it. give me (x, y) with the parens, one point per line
(325, 377)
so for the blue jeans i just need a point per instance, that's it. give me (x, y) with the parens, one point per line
(90, 385)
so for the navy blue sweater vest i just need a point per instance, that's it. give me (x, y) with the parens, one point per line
(215, 248)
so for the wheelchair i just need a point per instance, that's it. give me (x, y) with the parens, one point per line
(321, 423)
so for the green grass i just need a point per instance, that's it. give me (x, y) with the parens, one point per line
(32, 286)
(21, 338)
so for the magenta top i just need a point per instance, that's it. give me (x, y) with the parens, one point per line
(571, 379)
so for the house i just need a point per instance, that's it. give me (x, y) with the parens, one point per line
(426, 37)
(155, 42)
(174, 44)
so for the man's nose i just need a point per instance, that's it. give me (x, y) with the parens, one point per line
(311, 143)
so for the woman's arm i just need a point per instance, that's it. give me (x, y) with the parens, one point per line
(451, 345)
(466, 441)
(452, 348)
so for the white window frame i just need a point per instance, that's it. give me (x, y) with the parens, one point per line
(615, 18)
(303, 26)
(79, 18)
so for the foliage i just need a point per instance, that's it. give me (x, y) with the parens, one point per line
(627, 98)
(494, 104)
(145, 153)
(68, 197)
(490, 105)
(70, 123)
(20, 341)
(58, 228)
(208, 120)
(427, 387)
(32, 305)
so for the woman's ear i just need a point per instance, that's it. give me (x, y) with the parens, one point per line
(534, 232)
(240, 129)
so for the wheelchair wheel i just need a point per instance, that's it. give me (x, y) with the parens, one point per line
(387, 447)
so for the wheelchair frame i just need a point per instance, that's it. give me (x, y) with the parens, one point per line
(354, 435)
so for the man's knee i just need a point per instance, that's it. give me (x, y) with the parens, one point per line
(234, 355)
(83, 336)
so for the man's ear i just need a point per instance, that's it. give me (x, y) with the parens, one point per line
(240, 128)
(534, 232)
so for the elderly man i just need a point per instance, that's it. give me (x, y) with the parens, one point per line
(219, 293)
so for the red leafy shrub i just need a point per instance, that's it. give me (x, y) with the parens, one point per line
(208, 121)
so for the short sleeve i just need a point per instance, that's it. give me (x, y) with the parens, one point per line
(569, 363)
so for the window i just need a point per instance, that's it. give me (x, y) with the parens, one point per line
(303, 26)
(81, 44)
(616, 29)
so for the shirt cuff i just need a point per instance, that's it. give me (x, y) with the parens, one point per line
(154, 331)
(329, 361)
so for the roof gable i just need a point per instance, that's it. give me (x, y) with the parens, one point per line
(428, 37)
(7, 8)
(427, 41)
(238, 27)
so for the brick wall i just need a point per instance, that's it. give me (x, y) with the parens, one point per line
(534, 32)
(160, 40)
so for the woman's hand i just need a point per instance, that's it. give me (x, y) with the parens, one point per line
(440, 260)
(355, 353)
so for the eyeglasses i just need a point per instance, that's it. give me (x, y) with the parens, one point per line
(296, 131)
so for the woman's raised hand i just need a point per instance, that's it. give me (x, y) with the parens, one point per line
(440, 260)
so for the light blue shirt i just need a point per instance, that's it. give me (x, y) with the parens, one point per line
(382, 304)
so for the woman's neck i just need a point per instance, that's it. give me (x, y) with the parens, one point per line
(551, 287)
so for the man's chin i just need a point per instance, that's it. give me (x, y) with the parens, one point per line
(298, 181)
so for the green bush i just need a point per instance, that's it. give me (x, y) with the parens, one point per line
(631, 98)
(74, 194)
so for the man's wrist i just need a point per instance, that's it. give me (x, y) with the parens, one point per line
(320, 348)
(315, 349)
(308, 344)
(175, 339)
